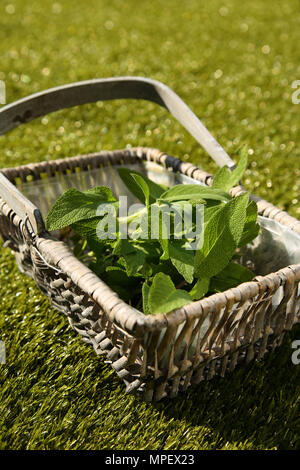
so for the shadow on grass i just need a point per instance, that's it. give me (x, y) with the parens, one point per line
(258, 403)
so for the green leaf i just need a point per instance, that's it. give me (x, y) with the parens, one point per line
(127, 176)
(221, 237)
(182, 259)
(226, 179)
(210, 211)
(134, 257)
(150, 248)
(233, 275)
(251, 228)
(168, 268)
(74, 206)
(164, 297)
(144, 187)
(164, 243)
(88, 228)
(159, 229)
(98, 246)
(194, 192)
(145, 294)
(200, 288)
(118, 280)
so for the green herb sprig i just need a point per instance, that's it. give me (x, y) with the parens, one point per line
(159, 274)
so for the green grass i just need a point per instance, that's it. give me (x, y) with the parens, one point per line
(233, 62)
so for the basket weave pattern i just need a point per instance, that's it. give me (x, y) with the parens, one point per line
(160, 355)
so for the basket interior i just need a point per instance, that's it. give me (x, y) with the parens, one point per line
(276, 247)
(44, 192)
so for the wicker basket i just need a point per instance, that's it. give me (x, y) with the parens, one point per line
(156, 356)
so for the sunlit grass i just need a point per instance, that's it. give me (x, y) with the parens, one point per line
(233, 62)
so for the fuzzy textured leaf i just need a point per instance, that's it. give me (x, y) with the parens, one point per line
(251, 228)
(226, 179)
(182, 259)
(200, 288)
(164, 297)
(145, 294)
(144, 187)
(193, 191)
(155, 190)
(74, 206)
(233, 275)
(221, 237)
(134, 257)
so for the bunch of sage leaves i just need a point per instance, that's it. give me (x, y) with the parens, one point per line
(162, 273)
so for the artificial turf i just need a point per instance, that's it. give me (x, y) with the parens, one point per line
(234, 63)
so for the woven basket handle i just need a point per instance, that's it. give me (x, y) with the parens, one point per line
(89, 91)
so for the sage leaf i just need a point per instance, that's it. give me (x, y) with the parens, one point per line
(90, 228)
(221, 237)
(134, 257)
(233, 275)
(182, 259)
(200, 288)
(193, 192)
(74, 206)
(155, 190)
(144, 187)
(164, 297)
(226, 179)
(251, 228)
(145, 294)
